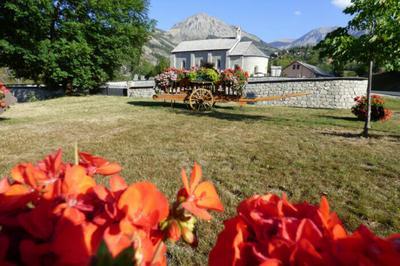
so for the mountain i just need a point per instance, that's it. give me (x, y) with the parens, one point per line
(282, 43)
(199, 26)
(159, 45)
(311, 38)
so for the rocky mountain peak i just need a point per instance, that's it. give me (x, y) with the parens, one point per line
(201, 26)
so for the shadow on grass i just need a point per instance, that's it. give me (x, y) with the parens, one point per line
(182, 108)
(159, 104)
(4, 119)
(345, 118)
(352, 135)
(227, 116)
(176, 105)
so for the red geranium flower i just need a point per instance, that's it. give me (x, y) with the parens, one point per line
(98, 165)
(269, 230)
(199, 197)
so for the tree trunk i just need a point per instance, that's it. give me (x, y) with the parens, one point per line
(367, 124)
(69, 89)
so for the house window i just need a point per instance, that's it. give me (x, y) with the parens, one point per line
(298, 66)
(219, 64)
(294, 66)
(183, 64)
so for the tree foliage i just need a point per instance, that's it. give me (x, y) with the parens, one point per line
(148, 69)
(378, 21)
(78, 44)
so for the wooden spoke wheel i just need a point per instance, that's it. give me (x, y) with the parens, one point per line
(201, 100)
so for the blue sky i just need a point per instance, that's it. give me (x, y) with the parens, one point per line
(268, 19)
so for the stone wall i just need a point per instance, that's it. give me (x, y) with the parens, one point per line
(324, 92)
(141, 89)
(25, 93)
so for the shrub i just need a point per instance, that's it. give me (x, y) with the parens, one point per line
(378, 111)
(55, 213)
(269, 230)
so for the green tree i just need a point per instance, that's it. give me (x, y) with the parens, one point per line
(78, 44)
(162, 64)
(379, 21)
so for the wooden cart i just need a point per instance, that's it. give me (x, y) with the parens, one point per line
(203, 95)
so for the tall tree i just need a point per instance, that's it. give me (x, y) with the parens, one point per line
(378, 21)
(78, 44)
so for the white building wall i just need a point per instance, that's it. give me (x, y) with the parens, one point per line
(192, 59)
(235, 60)
(253, 63)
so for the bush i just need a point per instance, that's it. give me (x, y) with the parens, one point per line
(378, 111)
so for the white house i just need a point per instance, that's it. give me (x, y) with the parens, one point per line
(223, 52)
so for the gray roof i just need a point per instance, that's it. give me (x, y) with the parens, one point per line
(315, 69)
(247, 49)
(205, 45)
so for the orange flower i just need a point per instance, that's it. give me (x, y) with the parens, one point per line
(98, 165)
(144, 205)
(199, 197)
(144, 208)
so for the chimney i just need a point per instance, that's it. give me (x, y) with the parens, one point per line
(238, 33)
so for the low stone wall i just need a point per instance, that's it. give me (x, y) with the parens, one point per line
(141, 89)
(25, 93)
(324, 93)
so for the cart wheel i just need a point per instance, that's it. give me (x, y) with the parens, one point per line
(201, 100)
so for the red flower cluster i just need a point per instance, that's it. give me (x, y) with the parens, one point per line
(269, 230)
(3, 92)
(378, 111)
(55, 213)
(234, 78)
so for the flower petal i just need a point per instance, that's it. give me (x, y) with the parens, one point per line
(207, 197)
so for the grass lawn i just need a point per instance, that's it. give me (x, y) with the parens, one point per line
(303, 152)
